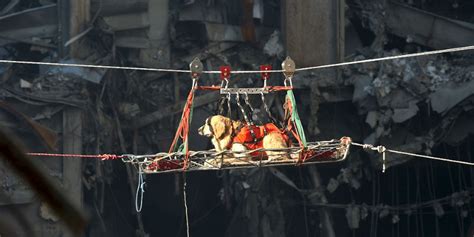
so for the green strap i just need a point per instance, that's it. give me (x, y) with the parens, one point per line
(296, 118)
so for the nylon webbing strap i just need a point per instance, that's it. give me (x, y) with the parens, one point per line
(191, 109)
(295, 118)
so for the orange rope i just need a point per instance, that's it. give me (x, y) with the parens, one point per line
(183, 128)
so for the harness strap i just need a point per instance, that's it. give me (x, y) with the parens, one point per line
(294, 117)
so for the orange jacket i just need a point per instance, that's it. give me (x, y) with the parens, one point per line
(244, 136)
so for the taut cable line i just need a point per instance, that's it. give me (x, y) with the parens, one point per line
(449, 50)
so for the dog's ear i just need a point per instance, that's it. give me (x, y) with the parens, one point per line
(221, 125)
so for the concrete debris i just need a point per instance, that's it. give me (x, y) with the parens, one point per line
(23, 26)
(389, 98)
(462, 128)
(450, 95)
(391, 92)
(46, 213)
(362, 87)
(274, 47)
(401, 115)
(353, 216)
(427, 28)
(372, 118)
(129, 110)
(90, 74)
(25, 84)
(413, 24)
(371, 139)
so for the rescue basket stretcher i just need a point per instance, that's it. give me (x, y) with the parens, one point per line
(315, 153)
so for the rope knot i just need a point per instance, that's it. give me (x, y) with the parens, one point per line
(381, 149)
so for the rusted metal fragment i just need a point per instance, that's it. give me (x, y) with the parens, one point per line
(248, 26)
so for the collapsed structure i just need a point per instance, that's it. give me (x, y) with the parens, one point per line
(419, 104)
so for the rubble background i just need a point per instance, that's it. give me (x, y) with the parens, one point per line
(422, 105)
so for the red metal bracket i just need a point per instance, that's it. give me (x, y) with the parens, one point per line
(265, 75)
(225, 72)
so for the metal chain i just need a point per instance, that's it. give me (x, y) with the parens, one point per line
(229, 109)
(252, 110)
(225, 84)
(246, 118)
(274, 121)
(221, 105)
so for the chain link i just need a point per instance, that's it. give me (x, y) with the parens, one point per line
(274, 121)
(229, 109)
(252, 110)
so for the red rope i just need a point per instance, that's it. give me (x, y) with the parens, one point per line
(183, 128)
(209, 88)
(279, 88)
(291, 127)
(101, 156)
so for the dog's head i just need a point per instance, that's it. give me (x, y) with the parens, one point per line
(216, 126)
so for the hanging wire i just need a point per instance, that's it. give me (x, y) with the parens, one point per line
(382, 149)
(140, 190)
(185, 204)
(450, 50)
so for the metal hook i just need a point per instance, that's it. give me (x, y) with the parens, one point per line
(246, 96)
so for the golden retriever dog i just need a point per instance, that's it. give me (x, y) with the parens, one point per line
(227, 134)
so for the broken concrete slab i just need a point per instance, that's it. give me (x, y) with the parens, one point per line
(361, 85)
(94, 75)
(403, 114)
(447, 97)
(462, 128)
(427, 28)
(40, 22)
(372, 118)
(128, 21)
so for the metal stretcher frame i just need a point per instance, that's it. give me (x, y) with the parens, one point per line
(319, 152)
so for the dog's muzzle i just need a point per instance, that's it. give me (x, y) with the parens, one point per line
(201, 130)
